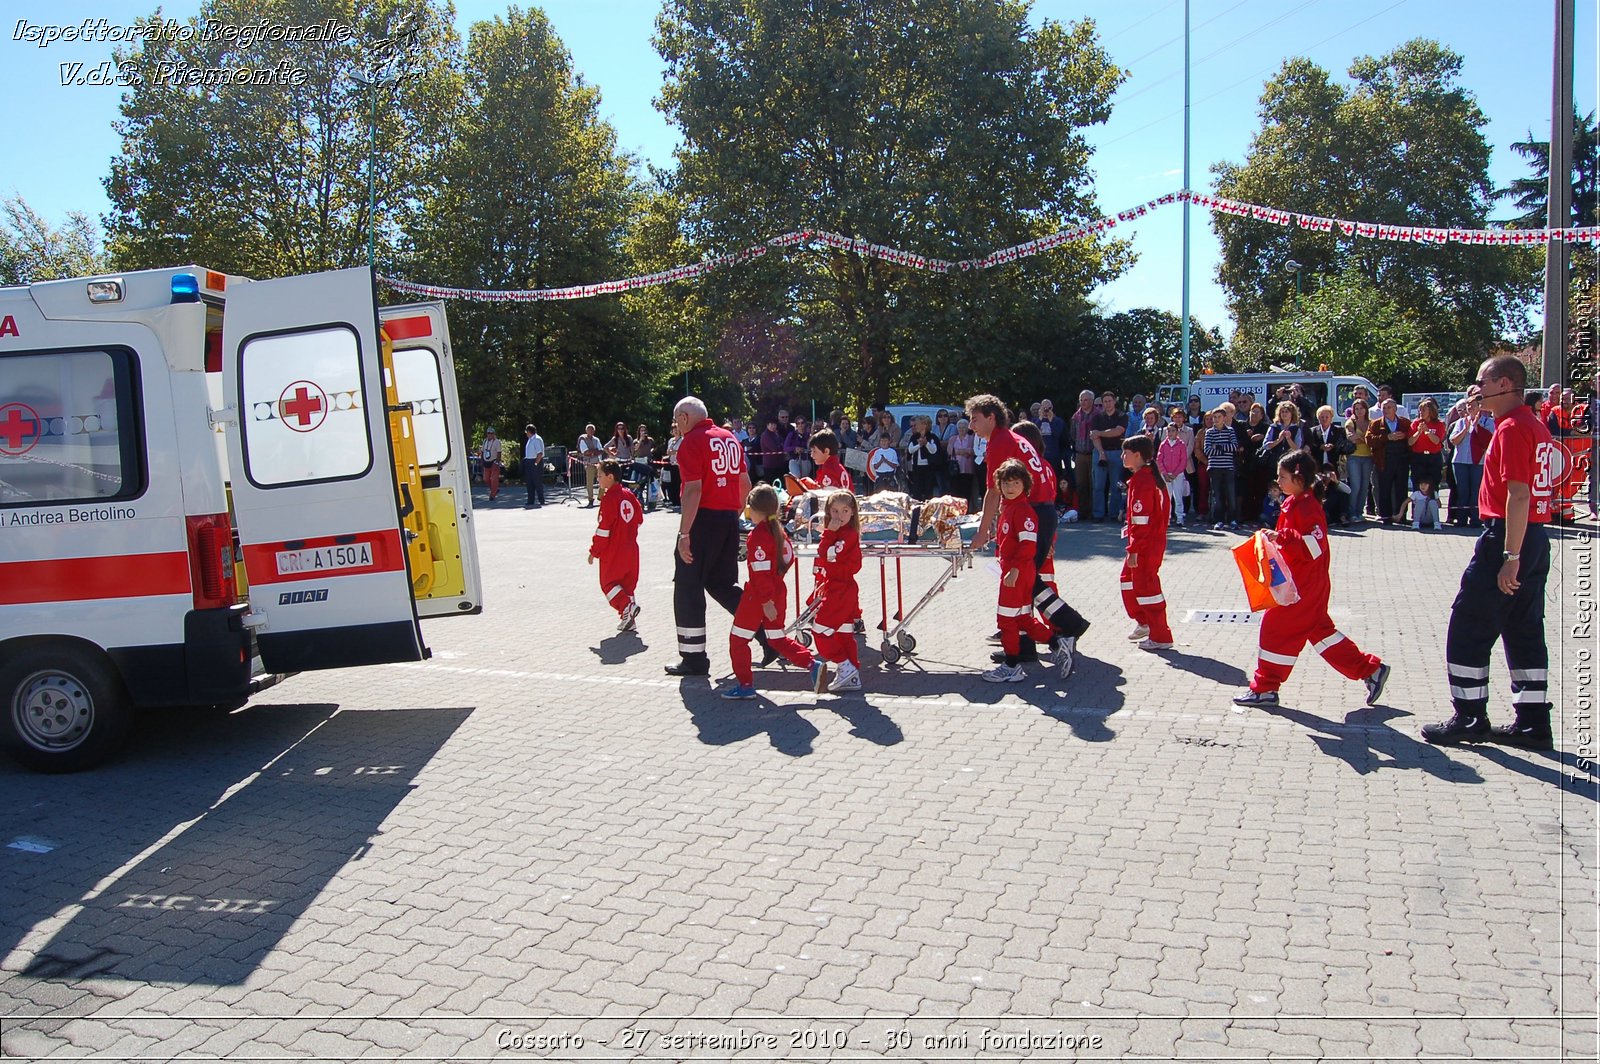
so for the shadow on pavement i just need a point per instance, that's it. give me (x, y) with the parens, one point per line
(616, 649)
(1084, 701)
(866, 721)
(1365, 741)
(722, 721)
(1208, 668)
(219, 830)
(1547, 768)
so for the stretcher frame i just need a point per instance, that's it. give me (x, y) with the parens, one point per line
(898, 641)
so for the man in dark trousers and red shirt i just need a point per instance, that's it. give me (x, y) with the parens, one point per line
(1502, 590)
(990, 420)
(715, 483)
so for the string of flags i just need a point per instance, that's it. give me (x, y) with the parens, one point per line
(807, 238)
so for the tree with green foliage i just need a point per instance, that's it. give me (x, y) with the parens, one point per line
(533, 193)
(947, 129)
(1403, 145)
(270, 180)
(31, 249)
(1351, 326)
(1531, 194)
(1136, 351)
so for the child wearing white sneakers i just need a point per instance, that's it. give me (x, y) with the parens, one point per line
(1424, 507)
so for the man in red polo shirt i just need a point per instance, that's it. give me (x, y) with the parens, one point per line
(715, 484)
(1502, 590)
(989, 419)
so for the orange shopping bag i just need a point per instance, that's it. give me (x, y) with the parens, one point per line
(1251, 559)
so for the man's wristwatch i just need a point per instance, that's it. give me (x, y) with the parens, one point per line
(683, 535)
(1508, 556)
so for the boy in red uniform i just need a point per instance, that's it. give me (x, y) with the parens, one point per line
(616, 545)
(1302, 536)
(765, 598)
(1017, 539)
(838, 562)
(831, 472)
(1502, 590)
(1149, 510)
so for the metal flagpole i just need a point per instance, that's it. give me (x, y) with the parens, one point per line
(1559, 201)
(1184, 343)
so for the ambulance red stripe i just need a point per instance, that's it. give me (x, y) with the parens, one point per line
(102, 577)
(261, 559)
(408, 328)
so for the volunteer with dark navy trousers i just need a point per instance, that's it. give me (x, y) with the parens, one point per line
(1502, 591)
(715, 483)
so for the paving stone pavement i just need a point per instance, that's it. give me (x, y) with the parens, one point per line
(536, 845)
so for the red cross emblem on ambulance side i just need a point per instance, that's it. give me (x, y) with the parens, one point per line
(303, 406)
(20, 428)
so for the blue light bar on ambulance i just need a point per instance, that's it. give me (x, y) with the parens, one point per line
(185, 288)
(105, 291)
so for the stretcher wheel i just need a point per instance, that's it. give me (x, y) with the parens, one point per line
(906, 642)
(803, 637)
(890, 652)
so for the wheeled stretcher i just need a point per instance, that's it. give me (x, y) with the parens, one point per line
(893, 530)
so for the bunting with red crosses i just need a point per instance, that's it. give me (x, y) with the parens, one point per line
(914, 260)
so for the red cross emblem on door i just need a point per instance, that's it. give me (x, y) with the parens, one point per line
(303, 406)
(20, 428)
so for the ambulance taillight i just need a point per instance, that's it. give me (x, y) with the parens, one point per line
(211, 561)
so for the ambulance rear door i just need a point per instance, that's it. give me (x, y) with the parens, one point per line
(315, 499)
(445, 578)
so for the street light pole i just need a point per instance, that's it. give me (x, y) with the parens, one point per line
(1183, 332)
(374, 79)
(1558, 201)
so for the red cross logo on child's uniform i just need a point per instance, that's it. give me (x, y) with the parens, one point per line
(20, 428)
(304, 409)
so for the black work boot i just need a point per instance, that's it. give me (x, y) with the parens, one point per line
(1530, 731)
(690, 665)
(1028, 651)
(769, 653)
(1458, 729)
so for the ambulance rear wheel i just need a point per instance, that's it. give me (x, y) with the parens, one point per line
(65, 708)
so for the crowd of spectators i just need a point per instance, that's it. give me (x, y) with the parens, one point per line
(1393, 466)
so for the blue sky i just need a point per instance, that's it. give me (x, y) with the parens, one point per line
(59, 140)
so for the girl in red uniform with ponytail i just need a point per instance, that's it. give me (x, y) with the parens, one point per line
(1016, 542)
(616, 545)
(769, 556)
(1149, 509)
(839, 559)
(1302, 536)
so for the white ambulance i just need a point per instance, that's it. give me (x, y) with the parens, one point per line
(1214, 389)
(208, 483)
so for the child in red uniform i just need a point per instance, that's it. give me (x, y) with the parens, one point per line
(831, 472)
(616, 545)
(1016, 538)
(1045, 473)
(1149, 509)
(769, 556)
(1302, 536)
(838, 562)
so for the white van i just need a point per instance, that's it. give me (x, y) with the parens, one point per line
(208, 483)
(1323, 389)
